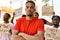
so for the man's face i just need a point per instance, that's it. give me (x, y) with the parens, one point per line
(6, 17)
(55, 20)
(30, 8)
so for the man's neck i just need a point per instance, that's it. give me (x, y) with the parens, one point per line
(6, 21)
(29, 17)
(56, 26)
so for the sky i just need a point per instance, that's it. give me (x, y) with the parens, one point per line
(57, 7)
(15, 0)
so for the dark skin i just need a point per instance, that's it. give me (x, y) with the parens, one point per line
(13, 18)
(47, 22)
(6, 20)
(55, 22)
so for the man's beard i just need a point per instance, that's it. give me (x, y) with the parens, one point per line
(30, 15)
(56, 25)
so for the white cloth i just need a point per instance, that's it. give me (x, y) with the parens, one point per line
(53, 27)
(6, 36)
(46, 31)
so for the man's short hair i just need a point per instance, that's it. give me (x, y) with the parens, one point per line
(56, 16)
(7, 14)
(30, 2)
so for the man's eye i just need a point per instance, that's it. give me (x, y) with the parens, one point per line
(27, 7)
(32, 7)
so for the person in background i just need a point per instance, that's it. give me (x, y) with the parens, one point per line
(6, 28)
(23, 15)
(29, 27)
(55, 21)
(45, 21)
(13, 18)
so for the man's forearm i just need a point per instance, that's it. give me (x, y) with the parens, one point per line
(17, 37)
(29, 37)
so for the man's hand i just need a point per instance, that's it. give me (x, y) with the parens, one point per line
(38, 36)
(15, 36)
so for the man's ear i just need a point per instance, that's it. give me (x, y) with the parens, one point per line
(34, 9)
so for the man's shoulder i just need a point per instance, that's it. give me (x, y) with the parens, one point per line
(39, 19)
(11, 23)
(21, 19)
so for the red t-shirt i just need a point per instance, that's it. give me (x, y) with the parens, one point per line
(30, 27)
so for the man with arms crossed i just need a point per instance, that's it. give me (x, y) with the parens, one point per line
(29, 27)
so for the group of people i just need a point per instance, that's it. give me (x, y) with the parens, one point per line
(29, 26)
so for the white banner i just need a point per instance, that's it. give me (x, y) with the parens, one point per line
(5, 28)
(18, 12)
(47, 10)
(52, 34)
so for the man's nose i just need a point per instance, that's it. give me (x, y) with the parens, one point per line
(55, 21)
(29, 8)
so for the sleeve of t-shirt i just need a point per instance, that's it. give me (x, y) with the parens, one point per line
(41, 25)
(45, 21)
(17, 25)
